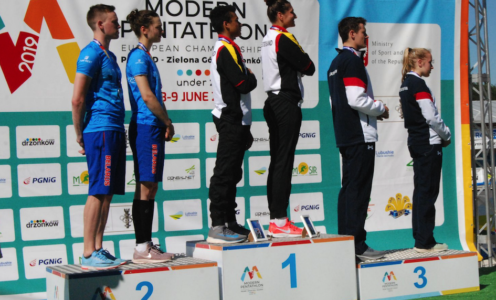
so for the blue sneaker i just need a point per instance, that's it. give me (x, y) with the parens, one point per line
(98, 261)
(223, 235)
(111, 257)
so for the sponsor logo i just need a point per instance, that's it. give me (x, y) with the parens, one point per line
(370, 209)
(3, 180)
(5, 264)
(304, 169)
(213, 138)
(261, 171)
(127, 218)
(46, 262)
(306, 207)
(27, 181)
(132, 181)
(83, 179)
(42, 223)
(108, 161)
(261, 213)
(40, 180)
(180, 214)
(410, 164)
(38, 142)
(238, 211)
(389, 281)
(399, 206)
(308, 135)
(251, 284)
(387, 153)
(175, 138)
(188, 137)
(154, 158)
(190, 175)
(261, 140)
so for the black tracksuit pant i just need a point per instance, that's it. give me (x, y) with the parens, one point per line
(227, 172)
(427, 164)
(354, 196)
(283, 117)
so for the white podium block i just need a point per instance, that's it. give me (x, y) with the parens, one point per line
(284, 268)
(406, 274)
(183, 278)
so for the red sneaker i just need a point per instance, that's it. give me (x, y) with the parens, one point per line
(288, 230)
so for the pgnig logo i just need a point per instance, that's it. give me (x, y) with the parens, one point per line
(45, 262)
(306, 207)
(40, 180)
(42, 223)
(38, 142)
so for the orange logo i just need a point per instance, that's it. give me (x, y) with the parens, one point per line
(17, 60)
(106, 294)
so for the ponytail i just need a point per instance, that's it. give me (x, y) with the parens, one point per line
(138, 18)
(410, 55)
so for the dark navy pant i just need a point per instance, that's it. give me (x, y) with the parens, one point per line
(283, 118)
(227, 172)
(354, 196)
(427, 163)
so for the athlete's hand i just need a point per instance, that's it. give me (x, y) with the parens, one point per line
(249, 141)
(446, 143)
(80, 141)
(169, 132)
(385, 114)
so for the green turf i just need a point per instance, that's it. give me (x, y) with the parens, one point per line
(487, 278)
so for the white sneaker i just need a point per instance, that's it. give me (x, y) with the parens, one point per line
(436, 248)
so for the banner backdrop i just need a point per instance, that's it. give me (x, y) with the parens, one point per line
(44, 180)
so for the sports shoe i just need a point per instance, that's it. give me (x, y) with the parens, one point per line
(235, 227)
(152, 254)
(224, 235)
(98, 261)
(288, 230)
(436, 248)
(371, 254)
(111, 257)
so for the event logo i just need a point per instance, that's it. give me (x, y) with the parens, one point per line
(56, 293)
(17, 60)
(389, 281)
(180, 214)
(42, 223)
(46, 262)
(83, 179)
(127, 218)
(103, 294)
(261, 171)
(132, 181)
(251, 273)
(399, 206)
(38, 142)
(305, 169)
(40, 180)
(175, 138)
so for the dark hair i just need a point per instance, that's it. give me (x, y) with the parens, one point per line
(276, 6)
(96, 10)
(140, 18)
(348, 24)
(219, 15)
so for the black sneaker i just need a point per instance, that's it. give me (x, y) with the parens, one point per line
(238, 228)
(222, 234)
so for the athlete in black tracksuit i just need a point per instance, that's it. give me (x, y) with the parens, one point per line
(426, 131)
(354, 115)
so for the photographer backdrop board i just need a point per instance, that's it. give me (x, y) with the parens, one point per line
(284, 268)
(406, 274)
(183, 278)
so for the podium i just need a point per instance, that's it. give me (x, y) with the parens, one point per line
(406, 274)
(182, 278)
(284, 268)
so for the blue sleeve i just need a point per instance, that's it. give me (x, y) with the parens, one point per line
(137, 64)
(88, 62)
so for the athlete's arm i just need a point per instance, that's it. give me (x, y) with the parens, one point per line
(431, 115)
(153, 105)
(355, 81)
(81, 86)
(226, 64)
(295, 55)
